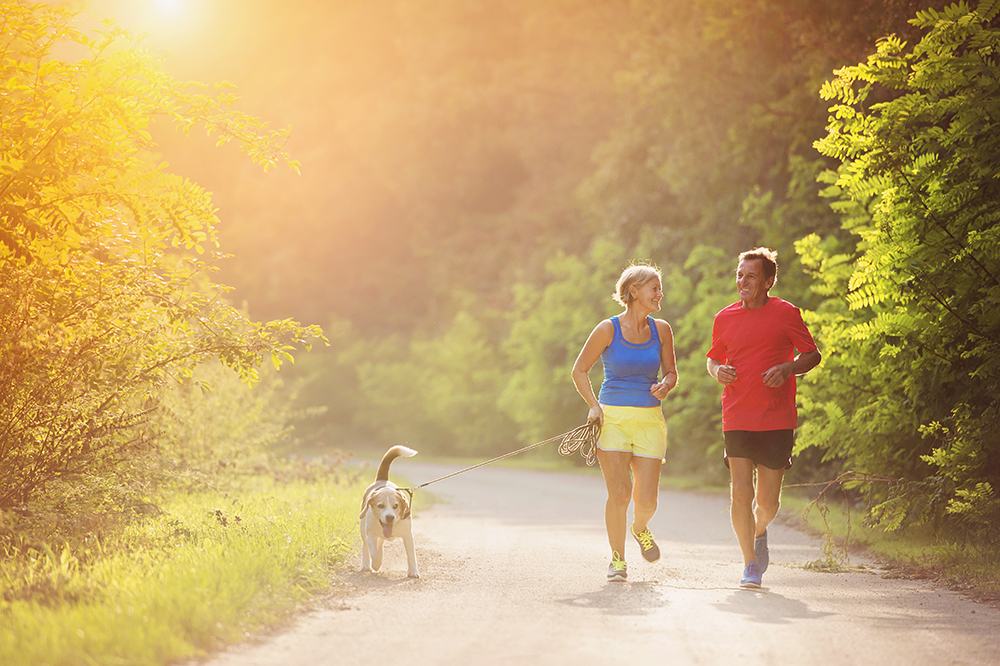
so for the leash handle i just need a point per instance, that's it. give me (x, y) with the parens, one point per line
(583, 438)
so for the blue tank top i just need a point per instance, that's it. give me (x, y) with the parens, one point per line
(630, 369)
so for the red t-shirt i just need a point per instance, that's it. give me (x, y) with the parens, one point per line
(753, 341)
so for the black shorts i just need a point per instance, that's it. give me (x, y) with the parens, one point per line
(770, 448)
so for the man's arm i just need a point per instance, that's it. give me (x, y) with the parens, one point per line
(724, 374)
(802, 364)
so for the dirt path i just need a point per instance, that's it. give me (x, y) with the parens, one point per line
(514, 565)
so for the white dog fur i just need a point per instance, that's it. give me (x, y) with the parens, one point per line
(385, 514)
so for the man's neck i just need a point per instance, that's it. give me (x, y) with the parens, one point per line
(757, 304)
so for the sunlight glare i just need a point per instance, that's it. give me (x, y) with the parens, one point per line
(170, 8)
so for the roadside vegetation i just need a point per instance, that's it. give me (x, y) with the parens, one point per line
(210, 569)
(143, 514)
(225, 539)
(920, 552)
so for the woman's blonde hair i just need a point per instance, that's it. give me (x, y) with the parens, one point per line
(634, 275)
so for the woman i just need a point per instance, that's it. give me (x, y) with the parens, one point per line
(635, 347)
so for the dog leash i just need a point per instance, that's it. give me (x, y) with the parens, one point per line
(582, 438)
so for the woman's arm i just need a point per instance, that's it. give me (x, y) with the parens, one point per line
(668, 362)
(599, 339)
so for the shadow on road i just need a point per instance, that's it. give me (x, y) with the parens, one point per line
(621, 599)
(767, 607)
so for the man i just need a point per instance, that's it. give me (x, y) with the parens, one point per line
(753, 357)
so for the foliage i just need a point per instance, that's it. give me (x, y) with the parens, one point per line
(212, 569)
(855, 410)
(105, 255)
(456, 172)
(438, 393)
(917, 132)
(709, 145)
(440, 142)
(693, 294)
(214, 437)
(715, 156)
(550, 324)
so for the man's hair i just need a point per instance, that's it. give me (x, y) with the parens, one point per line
(768, 259)
(634, 275)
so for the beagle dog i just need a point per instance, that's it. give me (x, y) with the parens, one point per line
(385, 514)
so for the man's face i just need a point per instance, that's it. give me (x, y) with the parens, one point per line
(751, 283)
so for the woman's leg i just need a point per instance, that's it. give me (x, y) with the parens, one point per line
(646, 490)
(615, 468)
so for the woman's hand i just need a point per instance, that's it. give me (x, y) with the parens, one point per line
(595, 414)
(660, 391)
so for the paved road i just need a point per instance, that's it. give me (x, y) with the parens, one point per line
(513, 567)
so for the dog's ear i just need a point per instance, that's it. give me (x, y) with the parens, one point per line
(404, 499)
(366, 502)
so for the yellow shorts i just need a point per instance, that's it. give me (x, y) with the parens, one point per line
(641, 431)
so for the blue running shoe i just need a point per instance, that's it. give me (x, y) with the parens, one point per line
(760, 551)
(751, 576)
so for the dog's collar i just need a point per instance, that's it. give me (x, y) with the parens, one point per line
(408, 491)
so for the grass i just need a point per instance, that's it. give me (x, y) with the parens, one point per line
(211, 570)
(916, 552)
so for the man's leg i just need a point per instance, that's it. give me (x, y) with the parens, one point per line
(768, 496)
(741, 509)
(615, 468)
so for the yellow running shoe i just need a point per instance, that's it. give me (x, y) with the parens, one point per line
(618, 571)
(650, 551)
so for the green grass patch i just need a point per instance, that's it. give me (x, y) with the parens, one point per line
(914, 552)
(212, 569)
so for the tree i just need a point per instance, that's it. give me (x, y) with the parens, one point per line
(105, 256)
(550, 323)
(917, 131)
(436, 393)
(697, 291)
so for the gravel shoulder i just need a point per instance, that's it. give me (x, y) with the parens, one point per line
(513, 565)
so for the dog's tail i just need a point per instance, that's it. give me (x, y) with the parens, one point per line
(390, 455)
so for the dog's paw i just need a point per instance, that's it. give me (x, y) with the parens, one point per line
(413, 574)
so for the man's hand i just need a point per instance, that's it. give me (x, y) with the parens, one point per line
(777, 375)
(725, 374)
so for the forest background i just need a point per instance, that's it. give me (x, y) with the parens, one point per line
(474, 176)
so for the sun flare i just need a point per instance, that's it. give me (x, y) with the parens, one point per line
(170, 8)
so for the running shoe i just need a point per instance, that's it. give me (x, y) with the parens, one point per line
(760, 551)
(650, 551)
(751, 576)
(618, 571)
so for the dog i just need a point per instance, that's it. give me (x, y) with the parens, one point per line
(385, 514)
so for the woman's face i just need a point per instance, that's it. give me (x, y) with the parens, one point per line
(648, 295)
